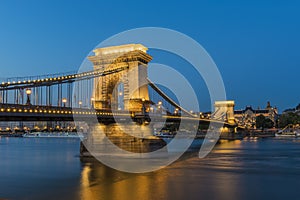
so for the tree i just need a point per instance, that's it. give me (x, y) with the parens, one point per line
(269, 123)
(262, 122)
(288, 118)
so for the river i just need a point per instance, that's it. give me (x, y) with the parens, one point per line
(50, 168)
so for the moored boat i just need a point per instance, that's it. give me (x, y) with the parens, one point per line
(289, 131)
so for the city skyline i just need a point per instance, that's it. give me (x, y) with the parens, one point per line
(253, 44)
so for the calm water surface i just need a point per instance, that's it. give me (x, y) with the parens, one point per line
(49, 168)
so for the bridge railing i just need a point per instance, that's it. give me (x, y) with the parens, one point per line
(21, 79)
(17, 108)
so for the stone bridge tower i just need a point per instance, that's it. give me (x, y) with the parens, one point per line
(124, 84)
(226, 110)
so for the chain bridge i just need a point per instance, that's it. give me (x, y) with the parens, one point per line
(117, 87)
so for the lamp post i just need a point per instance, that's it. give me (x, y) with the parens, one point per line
(92, 102)
(28, 92)
(64, 100)
(201, 115)
(151, 109)
(143, 106)
(176, 111)
(80, 104)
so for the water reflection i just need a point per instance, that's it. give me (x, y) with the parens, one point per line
(234, 170)
(51, 169)
(101, 182)
(182, 180)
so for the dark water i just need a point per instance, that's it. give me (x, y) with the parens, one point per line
(32, 168)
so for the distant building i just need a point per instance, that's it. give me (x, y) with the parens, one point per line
(247, 117)
(292, 110)
(15, 125)
(42, 125)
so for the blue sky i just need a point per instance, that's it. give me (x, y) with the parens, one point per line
(255, 44)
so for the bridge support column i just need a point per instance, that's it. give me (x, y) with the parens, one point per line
(113, 137)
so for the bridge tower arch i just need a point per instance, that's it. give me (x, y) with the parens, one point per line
(124, 65)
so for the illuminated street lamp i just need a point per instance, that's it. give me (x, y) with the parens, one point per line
(28, 92)
(92, 102)
(151, 109)
(159, 106)
(201, 115)
(176, 111)
(80, 104)
(64, 100)
(143, 105)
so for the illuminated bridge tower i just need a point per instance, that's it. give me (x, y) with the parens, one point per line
(124, 84)
(226, 109)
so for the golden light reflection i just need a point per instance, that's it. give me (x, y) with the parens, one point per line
(101, 182)
(226, 146)
(86, 192)
(85, 176)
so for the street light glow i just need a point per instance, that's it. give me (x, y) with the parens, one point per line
(28, 91)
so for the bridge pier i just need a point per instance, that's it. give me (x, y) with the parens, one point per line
(109, 139)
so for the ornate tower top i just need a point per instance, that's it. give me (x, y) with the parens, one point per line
(268, 105)
(120, 54)
(224, 103)
(120, 49)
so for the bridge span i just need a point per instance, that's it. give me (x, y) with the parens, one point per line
(29, 113)
(116, 89)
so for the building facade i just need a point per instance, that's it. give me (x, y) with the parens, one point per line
(247, 117)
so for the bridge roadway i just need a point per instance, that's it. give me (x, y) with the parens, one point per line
(17, 112)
